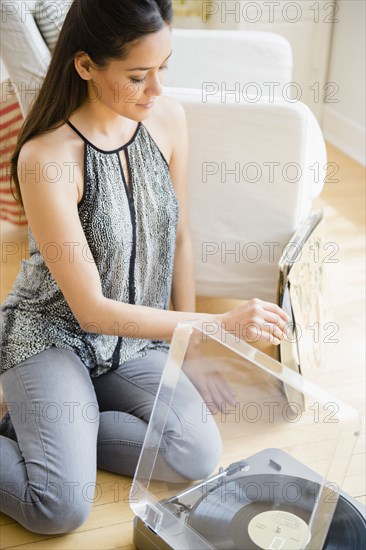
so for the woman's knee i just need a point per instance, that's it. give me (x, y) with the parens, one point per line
(197, 452)
(56, 514)
(205, 450)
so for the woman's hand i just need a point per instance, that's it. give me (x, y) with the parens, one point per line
(205, 376)
(256, 320)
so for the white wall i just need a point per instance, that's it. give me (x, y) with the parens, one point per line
(305, 24)
(344, 121)
(329, 57)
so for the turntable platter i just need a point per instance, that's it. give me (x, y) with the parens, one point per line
(223, 515)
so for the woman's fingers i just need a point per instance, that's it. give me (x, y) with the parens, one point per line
(274, 308)
(269, 336)
(272, 335)
(275, 319)
(210, 394)
(226, 392)
(260, 329)
(215, 393)
(214, 390)
(267, 321)
(219, 395)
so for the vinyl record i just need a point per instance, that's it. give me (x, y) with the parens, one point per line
(348, 528)
(223, 514)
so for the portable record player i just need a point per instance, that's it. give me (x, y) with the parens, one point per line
(229, 462)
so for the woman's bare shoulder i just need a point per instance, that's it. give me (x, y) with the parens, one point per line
(167, 125)
(169, 109)
(60, 142)
(55, 156)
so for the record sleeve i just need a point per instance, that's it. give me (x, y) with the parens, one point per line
(242, 453)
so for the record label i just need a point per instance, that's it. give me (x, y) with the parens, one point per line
(279, 530)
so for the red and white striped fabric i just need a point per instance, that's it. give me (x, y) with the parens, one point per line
(11, 120)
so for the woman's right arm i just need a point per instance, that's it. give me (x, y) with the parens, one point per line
(52, 213)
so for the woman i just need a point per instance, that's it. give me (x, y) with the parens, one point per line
(101, 168)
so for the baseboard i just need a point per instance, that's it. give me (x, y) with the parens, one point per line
(343, 133)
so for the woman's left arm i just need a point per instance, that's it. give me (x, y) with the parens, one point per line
(183, 288)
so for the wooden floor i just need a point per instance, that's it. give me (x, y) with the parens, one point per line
(110, 524)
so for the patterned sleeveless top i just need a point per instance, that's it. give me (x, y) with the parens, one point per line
(131, 233)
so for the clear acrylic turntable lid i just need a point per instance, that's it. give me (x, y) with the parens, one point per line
(240, 451)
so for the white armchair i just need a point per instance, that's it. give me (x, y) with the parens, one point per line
(254, 169)
(257, 161)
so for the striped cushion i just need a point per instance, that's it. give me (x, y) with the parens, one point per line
(11, 120)
(49, 17)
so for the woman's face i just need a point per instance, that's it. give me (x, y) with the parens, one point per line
(129, 87)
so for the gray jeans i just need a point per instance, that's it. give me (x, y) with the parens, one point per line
(68, 424)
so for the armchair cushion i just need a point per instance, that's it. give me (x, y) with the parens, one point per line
(29, 30)
(49, 17)
(230, 58)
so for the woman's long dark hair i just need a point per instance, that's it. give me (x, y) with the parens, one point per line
(105, 30)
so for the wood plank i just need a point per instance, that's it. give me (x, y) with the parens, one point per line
(104, 538)
(100, 516)
(355, 485)
(5, 520)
